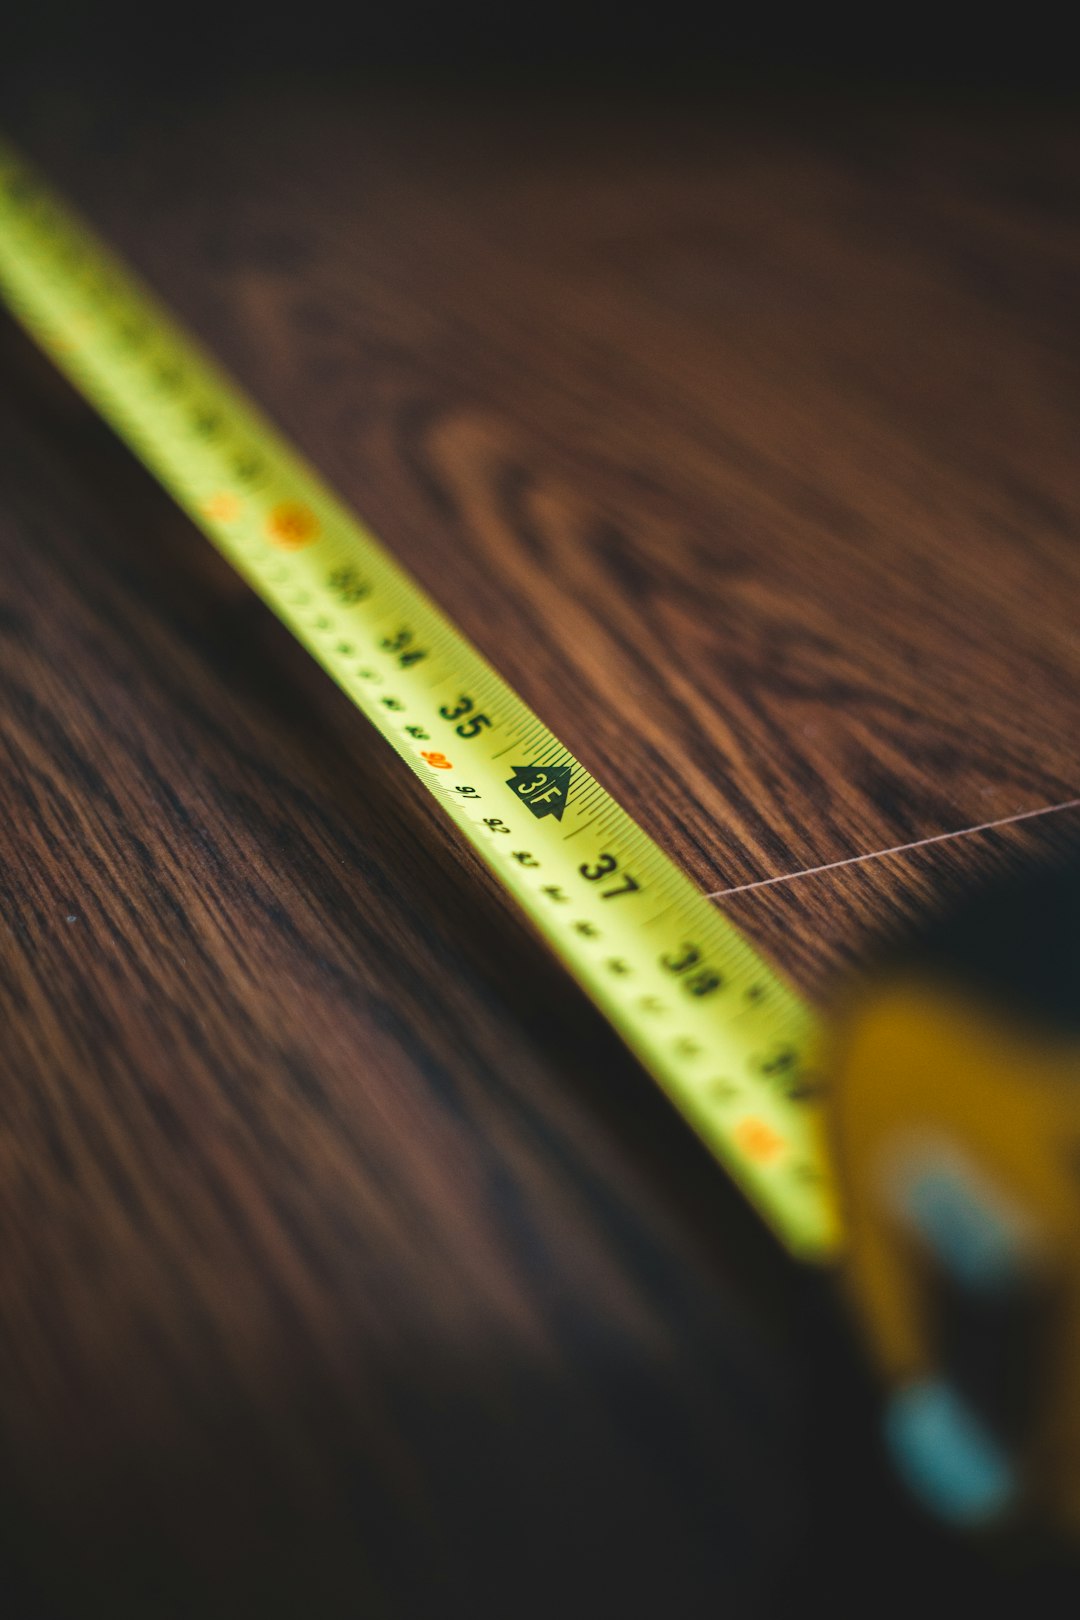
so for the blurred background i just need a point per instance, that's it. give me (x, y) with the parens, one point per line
(616, 306)
(599, 42)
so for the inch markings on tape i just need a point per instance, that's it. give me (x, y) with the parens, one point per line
(725, 1038)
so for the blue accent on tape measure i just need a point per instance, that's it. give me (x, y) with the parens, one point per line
(971, 1237)
(946, 1456)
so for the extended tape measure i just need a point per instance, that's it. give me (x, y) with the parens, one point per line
(934, 1238)
(727, 1040)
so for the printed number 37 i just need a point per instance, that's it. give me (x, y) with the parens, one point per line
(605, 866)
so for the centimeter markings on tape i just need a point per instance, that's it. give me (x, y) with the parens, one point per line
(723, 1036)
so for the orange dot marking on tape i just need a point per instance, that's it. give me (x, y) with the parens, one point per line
(758, 1140)
(224, 507)
(292, 526)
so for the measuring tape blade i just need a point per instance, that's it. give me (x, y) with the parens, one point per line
(726, 1039)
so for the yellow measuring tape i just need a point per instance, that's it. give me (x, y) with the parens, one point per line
(727, 1040)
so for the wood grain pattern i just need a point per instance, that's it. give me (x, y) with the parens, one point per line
(349, 1267)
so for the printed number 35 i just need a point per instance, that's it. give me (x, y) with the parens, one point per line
(467, 728)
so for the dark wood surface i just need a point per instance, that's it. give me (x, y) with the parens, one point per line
(349, 1266)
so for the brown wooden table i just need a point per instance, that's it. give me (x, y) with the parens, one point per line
(348, 1265)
